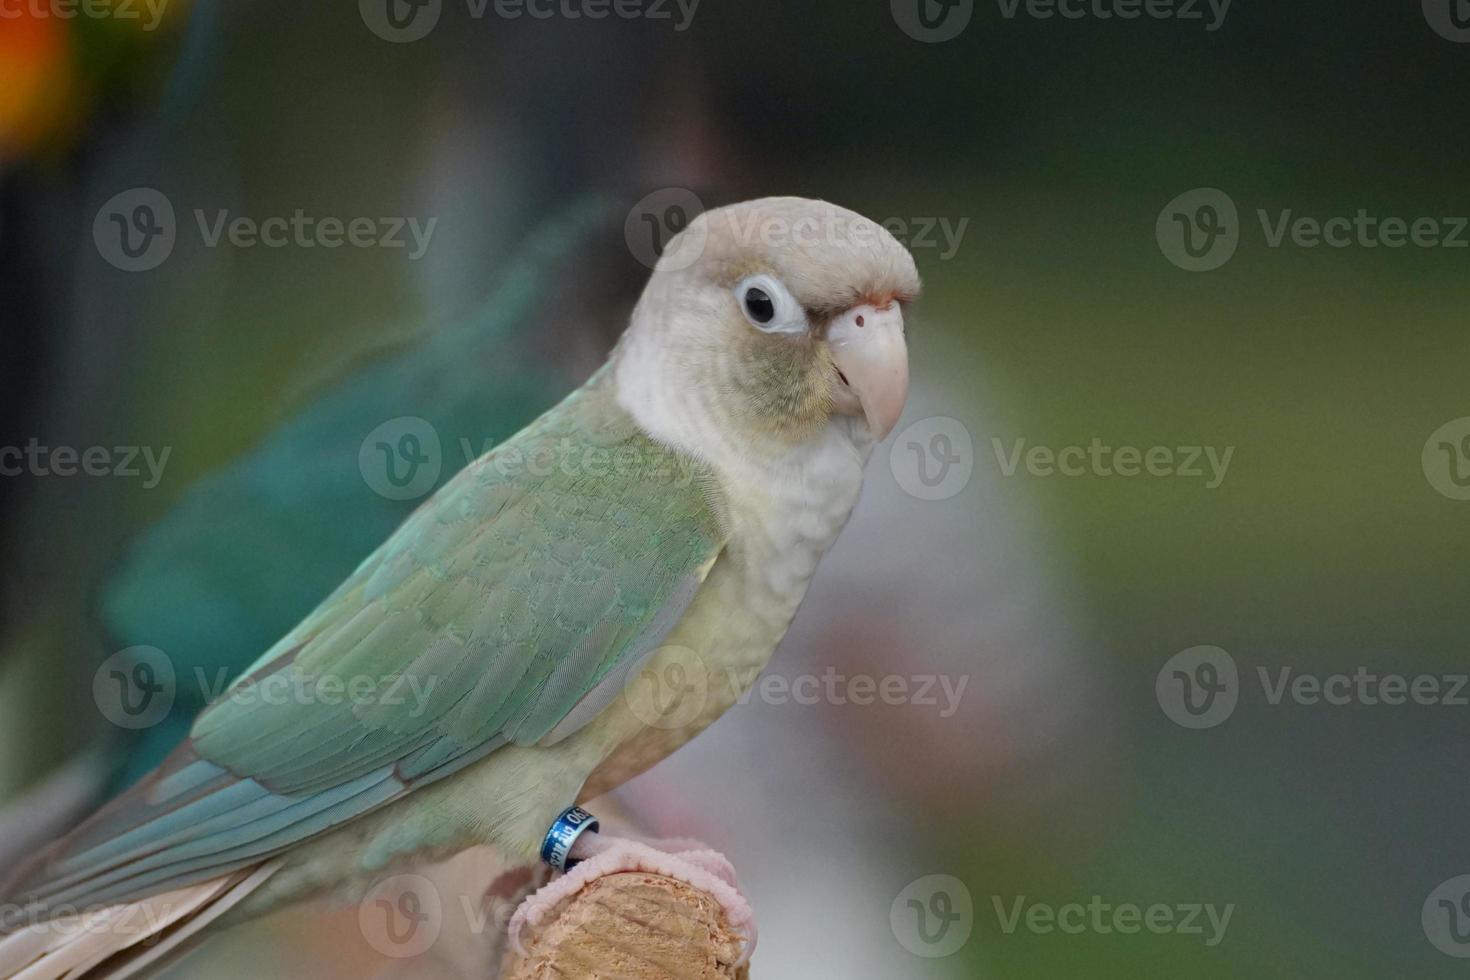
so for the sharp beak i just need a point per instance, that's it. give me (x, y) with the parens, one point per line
(872, 360)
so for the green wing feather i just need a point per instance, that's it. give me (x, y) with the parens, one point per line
(496, 609)
(537, 577)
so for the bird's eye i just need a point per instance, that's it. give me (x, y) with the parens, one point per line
(759, 305)
(769, 305)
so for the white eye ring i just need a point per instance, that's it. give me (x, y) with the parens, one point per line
(769, 306)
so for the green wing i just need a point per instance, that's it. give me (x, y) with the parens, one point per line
(507, 609)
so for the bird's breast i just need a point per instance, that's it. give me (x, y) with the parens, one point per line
(779, 532)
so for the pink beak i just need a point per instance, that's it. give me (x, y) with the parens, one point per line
(868, 348)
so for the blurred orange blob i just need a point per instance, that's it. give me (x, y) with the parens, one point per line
(57, 55)
(38, 82)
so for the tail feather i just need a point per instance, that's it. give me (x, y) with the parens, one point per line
(125, 940)
(178, 941)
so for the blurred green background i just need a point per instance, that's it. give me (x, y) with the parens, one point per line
(1059, 318)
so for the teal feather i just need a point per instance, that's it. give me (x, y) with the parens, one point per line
(206, 584)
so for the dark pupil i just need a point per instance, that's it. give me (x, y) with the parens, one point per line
(759, 305)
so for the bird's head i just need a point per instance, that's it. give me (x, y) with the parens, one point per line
(767, 323)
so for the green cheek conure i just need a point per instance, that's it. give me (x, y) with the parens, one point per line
(468, 682)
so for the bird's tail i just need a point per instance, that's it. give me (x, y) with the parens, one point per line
(124, 940)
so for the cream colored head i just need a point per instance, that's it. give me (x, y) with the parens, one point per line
(769, 320)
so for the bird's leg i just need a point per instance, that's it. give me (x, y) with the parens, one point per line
(592, 855)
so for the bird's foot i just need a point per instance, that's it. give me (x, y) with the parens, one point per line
(596, 856)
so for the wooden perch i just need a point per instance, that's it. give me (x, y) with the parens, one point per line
(632, 926)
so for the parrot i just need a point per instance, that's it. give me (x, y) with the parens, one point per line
(670, 511)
